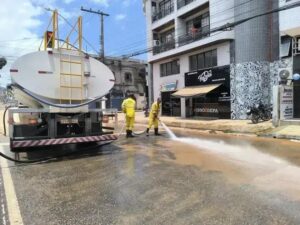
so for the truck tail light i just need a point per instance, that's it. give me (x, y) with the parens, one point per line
(10, 120)
(105, 119)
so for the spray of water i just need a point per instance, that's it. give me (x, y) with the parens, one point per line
(245, 153)
(276, 171)
(168, 130)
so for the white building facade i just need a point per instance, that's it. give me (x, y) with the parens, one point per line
(184, 50)
(287, 87)
(201, 73)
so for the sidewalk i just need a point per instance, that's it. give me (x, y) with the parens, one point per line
(226, 126)
(284, 132)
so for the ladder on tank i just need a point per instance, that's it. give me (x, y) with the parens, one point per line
(71, 81)
(71, 56)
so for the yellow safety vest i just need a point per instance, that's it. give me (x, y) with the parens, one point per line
(128, 107)
(155, 108)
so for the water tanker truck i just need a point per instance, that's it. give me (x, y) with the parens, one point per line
(56, 85)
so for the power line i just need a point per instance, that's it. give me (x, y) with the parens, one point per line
(182, 33)
(102, 15)
(226, 27)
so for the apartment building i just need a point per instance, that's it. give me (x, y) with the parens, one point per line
(187, 61)
(289, 69)
(200, 73)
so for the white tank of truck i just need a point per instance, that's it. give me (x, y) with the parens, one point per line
(62, 77)
(56, 86)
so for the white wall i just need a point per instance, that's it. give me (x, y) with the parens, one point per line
(221, 12)
(223, 54)
(289, 19)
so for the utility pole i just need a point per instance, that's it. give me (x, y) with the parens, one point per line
(101, 14)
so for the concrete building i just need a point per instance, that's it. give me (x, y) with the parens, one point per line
(184, 49)
(130, 77)
(219, 74)
(287, 85)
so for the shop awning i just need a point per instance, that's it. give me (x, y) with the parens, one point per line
(293, 32)
(195, 91)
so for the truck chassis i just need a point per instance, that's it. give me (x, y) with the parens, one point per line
(45, 128)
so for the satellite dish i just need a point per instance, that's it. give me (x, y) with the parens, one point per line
(296, 76)
(284, 74)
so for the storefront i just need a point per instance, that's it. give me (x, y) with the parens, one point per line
(207, 93)
(296, 86)
(170, 105)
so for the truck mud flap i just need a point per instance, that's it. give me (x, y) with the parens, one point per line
(62, 141)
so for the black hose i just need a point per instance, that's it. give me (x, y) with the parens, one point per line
(52, 157)
(4, 115)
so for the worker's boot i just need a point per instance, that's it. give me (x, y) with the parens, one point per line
(127, 133)
(130, 134)
(147, 132)
(156, 132)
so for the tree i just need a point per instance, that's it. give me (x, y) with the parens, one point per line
(2, 62)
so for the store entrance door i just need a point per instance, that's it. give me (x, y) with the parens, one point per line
(297, 99)
(296, 83)
(170, 105)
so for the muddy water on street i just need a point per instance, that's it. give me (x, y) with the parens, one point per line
(268, 164)
(200, 178)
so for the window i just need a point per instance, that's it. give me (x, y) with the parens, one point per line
(193, 62)
(200, 61)
(285, 47)
(199, 24)
(169, 68)
(203, 60)
(214, 58)
(167, 37)
(165, 7)
(207, 57)
(128, 77)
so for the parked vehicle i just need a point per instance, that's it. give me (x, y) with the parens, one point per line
(260, 112)
(146, 111)
(57, 85)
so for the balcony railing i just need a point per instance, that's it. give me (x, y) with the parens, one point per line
(162, 13)
(181, 3)
(164, 47)
(193, 36)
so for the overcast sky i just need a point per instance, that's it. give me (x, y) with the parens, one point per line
(23, 22)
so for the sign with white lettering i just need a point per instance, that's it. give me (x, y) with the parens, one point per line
(286, 103)
(216, 75)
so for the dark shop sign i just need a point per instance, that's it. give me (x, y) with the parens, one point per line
(217, 75)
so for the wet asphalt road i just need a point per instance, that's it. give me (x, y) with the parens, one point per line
(148, 180)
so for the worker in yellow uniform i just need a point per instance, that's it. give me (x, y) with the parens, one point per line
(153, 117)
(128, 107)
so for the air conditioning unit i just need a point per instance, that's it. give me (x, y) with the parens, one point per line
(285, 75)
(156, 43)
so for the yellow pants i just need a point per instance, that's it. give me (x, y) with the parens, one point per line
(152, 121)
(129, 123)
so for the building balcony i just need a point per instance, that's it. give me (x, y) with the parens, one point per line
(188, 46)
(162, 13)
(182, 3)
(164, 47)
(192, 37)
